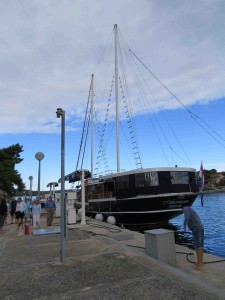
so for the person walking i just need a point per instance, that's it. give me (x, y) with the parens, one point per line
(50, 208)
(13, 209)
(36, 213)
(192, 219)
(3, 214)
(20, 207)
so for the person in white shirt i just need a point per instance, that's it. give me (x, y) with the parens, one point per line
(20, 207)
(36, 211)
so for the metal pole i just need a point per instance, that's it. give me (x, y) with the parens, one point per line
(61, 113)
(63, 233)
(31, 190)
(39, 178)
(92, 126)
(30, 194)
(39, 156)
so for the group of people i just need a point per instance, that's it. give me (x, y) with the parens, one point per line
(21, 212)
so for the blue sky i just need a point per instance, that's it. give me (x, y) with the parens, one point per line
(49, 49)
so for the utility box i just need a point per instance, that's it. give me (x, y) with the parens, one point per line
(71, 216)
(160, 244)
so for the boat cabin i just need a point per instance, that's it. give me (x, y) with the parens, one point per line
(142, 182)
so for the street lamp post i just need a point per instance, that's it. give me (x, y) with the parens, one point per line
(31, 179)
(39, 156)
(61, 113)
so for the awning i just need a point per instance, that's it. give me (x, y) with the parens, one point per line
(75, 176)
(52, 183)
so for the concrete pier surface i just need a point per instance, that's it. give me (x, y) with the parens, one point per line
(102, 261)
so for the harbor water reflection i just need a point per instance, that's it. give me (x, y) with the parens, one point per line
(212, 215)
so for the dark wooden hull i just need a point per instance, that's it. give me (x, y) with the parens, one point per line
(140, 210)
(142, 197)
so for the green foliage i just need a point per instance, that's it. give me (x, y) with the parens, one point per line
(208, 174)
(10, 179)
(221, 183)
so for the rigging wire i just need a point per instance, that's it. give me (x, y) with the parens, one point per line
(101, 56)
(164, 117)
(101, 151)
(102, 133)
(84, 127)
(143, 95)
(134, 145)
(130, 59)
(130, 122)
(192, 115)
(103, 137)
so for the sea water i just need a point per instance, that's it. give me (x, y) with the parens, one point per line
(212, 214)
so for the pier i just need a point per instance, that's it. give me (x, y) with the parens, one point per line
(102, 261)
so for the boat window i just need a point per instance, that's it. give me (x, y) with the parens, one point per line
(146, 179)
(95, 191)
(122, 182)
(179, 177)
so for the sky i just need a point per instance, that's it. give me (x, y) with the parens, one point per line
(50, 48)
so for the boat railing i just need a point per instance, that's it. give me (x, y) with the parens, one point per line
(109, 172)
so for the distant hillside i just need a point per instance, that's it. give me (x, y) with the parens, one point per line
(214, 179)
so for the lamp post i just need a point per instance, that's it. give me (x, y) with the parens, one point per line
(31, 179)
(39, 156)
(61, 113)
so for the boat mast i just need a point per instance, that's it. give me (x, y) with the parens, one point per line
(116, 97)
(92, 125)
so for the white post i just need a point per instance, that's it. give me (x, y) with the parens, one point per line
(53, 190)
(50, 189)
(83, 220)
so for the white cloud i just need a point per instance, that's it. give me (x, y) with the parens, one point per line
(50, 48)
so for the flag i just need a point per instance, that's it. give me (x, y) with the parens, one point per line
(201, 177)
(201, 181)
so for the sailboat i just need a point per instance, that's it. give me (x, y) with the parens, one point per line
(138, 197)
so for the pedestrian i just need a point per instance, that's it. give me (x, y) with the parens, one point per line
(50, 208)
(13, 209)
(20, 207)
(192, 219)
(3, 214)
(36, 213)
(27, 210)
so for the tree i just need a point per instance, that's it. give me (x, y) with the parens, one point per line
(10, 179)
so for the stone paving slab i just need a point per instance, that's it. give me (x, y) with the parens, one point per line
(96, 266)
